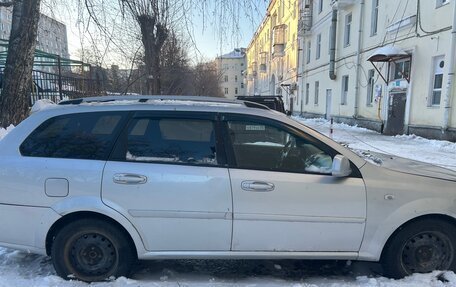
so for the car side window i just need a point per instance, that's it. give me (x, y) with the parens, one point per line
(169, 140)
(75, 136)
(261, 146)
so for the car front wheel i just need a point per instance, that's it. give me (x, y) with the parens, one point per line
(91, 250)
(421, 247)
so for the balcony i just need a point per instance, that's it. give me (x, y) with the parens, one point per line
(305, 21)
(342, 4)
(263, 61)
(279, 40)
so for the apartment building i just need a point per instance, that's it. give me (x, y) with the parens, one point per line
(272, 54)
(384, 64)
(231, 69)
(51, 39)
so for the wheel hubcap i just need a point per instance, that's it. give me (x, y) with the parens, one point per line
(93, 254)
(427, 251)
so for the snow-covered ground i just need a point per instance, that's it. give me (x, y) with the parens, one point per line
(23, 269)
(437, 152)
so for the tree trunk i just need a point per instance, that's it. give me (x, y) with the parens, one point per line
(153, 37)
(15, 96)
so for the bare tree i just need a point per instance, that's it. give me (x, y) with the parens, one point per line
(175, 66)
(14, 99)
(152, 17)
(206, 80)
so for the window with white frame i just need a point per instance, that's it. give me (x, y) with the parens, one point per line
(347, 30)
(344, 95)
(235, 78)
(226, 78)
(320, 6)
(317, 92)
(370, 87)
(374, 17)
(437, 81)
(226, 91)
(307, 93)
(401, 70)
(235, 91)
(309, 46)
(318, 47)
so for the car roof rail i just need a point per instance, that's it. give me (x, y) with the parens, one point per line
(255, 105)
(144, 99)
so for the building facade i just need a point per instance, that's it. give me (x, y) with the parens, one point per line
(272, 55)
(51, 39)
(384, 64)
(230, 68)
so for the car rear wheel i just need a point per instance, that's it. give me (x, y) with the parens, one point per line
(421, 247)
(91, 250)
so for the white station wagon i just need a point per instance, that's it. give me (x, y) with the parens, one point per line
(101, 182)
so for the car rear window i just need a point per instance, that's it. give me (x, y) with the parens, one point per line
(75, 136)
(185, 141)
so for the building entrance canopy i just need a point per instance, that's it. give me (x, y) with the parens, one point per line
(387, 54)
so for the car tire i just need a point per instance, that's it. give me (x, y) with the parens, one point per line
(91, 250)
(420, 247)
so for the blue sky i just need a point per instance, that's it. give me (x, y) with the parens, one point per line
(211, 38)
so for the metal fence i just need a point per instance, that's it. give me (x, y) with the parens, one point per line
(56, 87)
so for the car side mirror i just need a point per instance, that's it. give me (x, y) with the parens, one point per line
(341, 166)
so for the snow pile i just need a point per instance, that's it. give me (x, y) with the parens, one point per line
(41, 105)
(3, 131)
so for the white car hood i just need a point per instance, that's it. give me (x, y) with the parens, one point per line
(409, 166)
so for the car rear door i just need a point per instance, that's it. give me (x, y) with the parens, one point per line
(169, 179)
(284, 196)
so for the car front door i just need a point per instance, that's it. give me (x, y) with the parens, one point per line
(284, 196)
(168, 179)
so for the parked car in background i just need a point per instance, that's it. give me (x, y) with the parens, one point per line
(98, 183)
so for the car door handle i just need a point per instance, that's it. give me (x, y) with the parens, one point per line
(253, 185)
(128, 178)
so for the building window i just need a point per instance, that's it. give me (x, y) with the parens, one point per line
(344, 95)
(348, 21)
(307, 93)
(318, 47)
(374, 18)
(437, 81)
(370, 87)
(320, 6)
(242, 85)
(226, 91)
(401, 70)
(440, 3)
(226, 78)
(235, 78)
(235, 91)
(309, 46)
(317, 88)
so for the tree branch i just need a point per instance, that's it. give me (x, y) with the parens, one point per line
(6, 4)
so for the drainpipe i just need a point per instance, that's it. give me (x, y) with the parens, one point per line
(451, 72)
(358, 58)
(332, 47)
